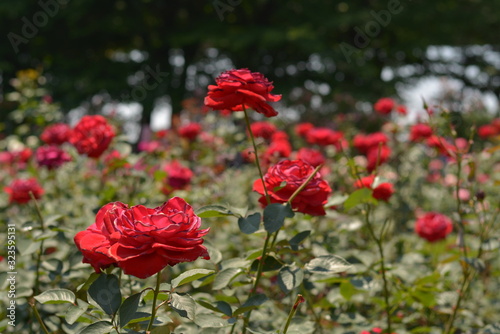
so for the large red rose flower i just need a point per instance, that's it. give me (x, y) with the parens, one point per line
(237, 90)
(284, 178)
(142, 241)
(19, 190)
(92, 135)
(433, 226)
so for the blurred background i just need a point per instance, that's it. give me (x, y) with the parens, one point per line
(147, 60)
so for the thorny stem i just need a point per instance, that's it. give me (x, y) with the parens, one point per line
(37, 316)
(298, 300)
(268, 199)
(467, 276)
(257, 279)
(378, 241)
(36, 288)
(257, 161)
(155, 297)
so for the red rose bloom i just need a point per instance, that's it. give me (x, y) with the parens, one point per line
(487, 131)
(190, 131)
(178, 177)
(143, 241)
(303, 128)
(442, 145)
(377, 156)
(323, 136)
(279, 135)
(311, 156)
(384, 106)
(433, 226)
(364, 143)
(237, 90)
(263, 129)
(365, 182)
(383, 191)
(51, 156)
(19, 190)
(56, 134)
(420, 131)
(293, 174)
(279, 148)
(92, 135)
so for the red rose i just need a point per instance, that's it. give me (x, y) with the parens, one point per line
(292, 174)
(56, 134)
(384, 106)
(178, 177)
(279, 135)
(143, 241)
(303, 128)
(263, 129)
(433, 226)
(237, 90)
(376, 156)
(190, 131)
(323, 136)
(19, 190)
(496, 123)
(383, 191)
(487, 131)
(311, 156)
(441, 144)
(279, 148)
(51, 156)
(365, 182)
(364, 143)
(92, 135)
(420, 131)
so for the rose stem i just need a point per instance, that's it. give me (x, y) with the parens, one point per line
(257, 161)
(37, 316)
(298, 300)
(36, 289)
(378, 241)
(155, 297)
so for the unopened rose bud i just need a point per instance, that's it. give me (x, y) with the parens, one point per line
(480, 195)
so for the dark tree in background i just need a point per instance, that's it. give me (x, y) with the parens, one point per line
(133, 50)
